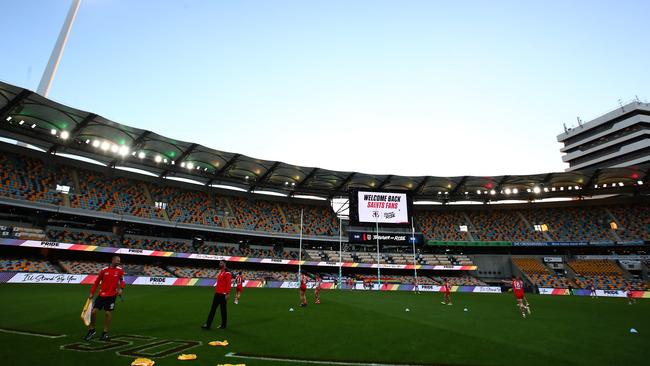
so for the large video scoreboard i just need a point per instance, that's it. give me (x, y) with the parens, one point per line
(380, 207)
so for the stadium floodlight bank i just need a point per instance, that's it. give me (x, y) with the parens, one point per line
(29, 119)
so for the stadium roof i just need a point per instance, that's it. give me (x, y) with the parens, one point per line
(30, 118)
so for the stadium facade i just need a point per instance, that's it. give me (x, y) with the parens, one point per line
(619, 138)
(76, 188)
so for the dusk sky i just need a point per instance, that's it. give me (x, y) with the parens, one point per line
(399, 87)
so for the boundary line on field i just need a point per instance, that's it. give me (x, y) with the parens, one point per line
(317, 362)
(33, 334)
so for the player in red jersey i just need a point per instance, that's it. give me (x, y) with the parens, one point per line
(416, 286)
(447, 288)
(628, 292)
(112, 283)
(317, 289)
(518, 289)
(303, 289)
(239, 282)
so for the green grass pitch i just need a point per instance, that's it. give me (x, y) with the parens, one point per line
(348, 326)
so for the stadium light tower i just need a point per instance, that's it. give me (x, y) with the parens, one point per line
(57, 52)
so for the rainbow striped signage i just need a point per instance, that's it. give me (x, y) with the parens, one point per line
(212, 257)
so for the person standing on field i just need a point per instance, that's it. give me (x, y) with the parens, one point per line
(317, 286)
(447, 288)
(239, 286)
(303, 290)
(220, 298)
(112, 283)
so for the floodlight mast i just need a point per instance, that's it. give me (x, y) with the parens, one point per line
(57, 52)
(340, 252)
(415, 261)
(300, 249)
(378, 261)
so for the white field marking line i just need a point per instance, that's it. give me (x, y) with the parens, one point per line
(296, 360)
(171, 354)
(31, 333)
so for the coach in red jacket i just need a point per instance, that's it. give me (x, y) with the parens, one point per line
(221, 291)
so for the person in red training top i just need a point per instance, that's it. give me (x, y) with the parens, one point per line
(518, 289)
(630, 296)
(317, 289)
(239, 282)
(112, 283)
(303, 289)
(220, 298)
(447, 288)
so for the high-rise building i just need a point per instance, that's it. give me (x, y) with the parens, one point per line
(616, 139)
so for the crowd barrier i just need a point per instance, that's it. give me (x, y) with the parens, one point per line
(599, 293)
(88, 279)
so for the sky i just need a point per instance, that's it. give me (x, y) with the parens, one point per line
(402, 87)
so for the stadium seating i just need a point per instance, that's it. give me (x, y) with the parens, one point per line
(530, 266)
(192, 207)
(165, 245)
(465, 280)
(34, 180)
(603, 274)
(539, 275)
(212, 272)
(82, 237)
(26, 265)
(502, 225)
(633, 220)
(550, 281)
(31, 179)
(92, 267)
(573, 224)
(390, 258)
(317, 220)
(74, 236)
(442, 226)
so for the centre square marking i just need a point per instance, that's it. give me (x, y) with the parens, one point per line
(134, 345)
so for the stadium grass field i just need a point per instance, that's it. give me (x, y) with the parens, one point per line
(349, 326)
